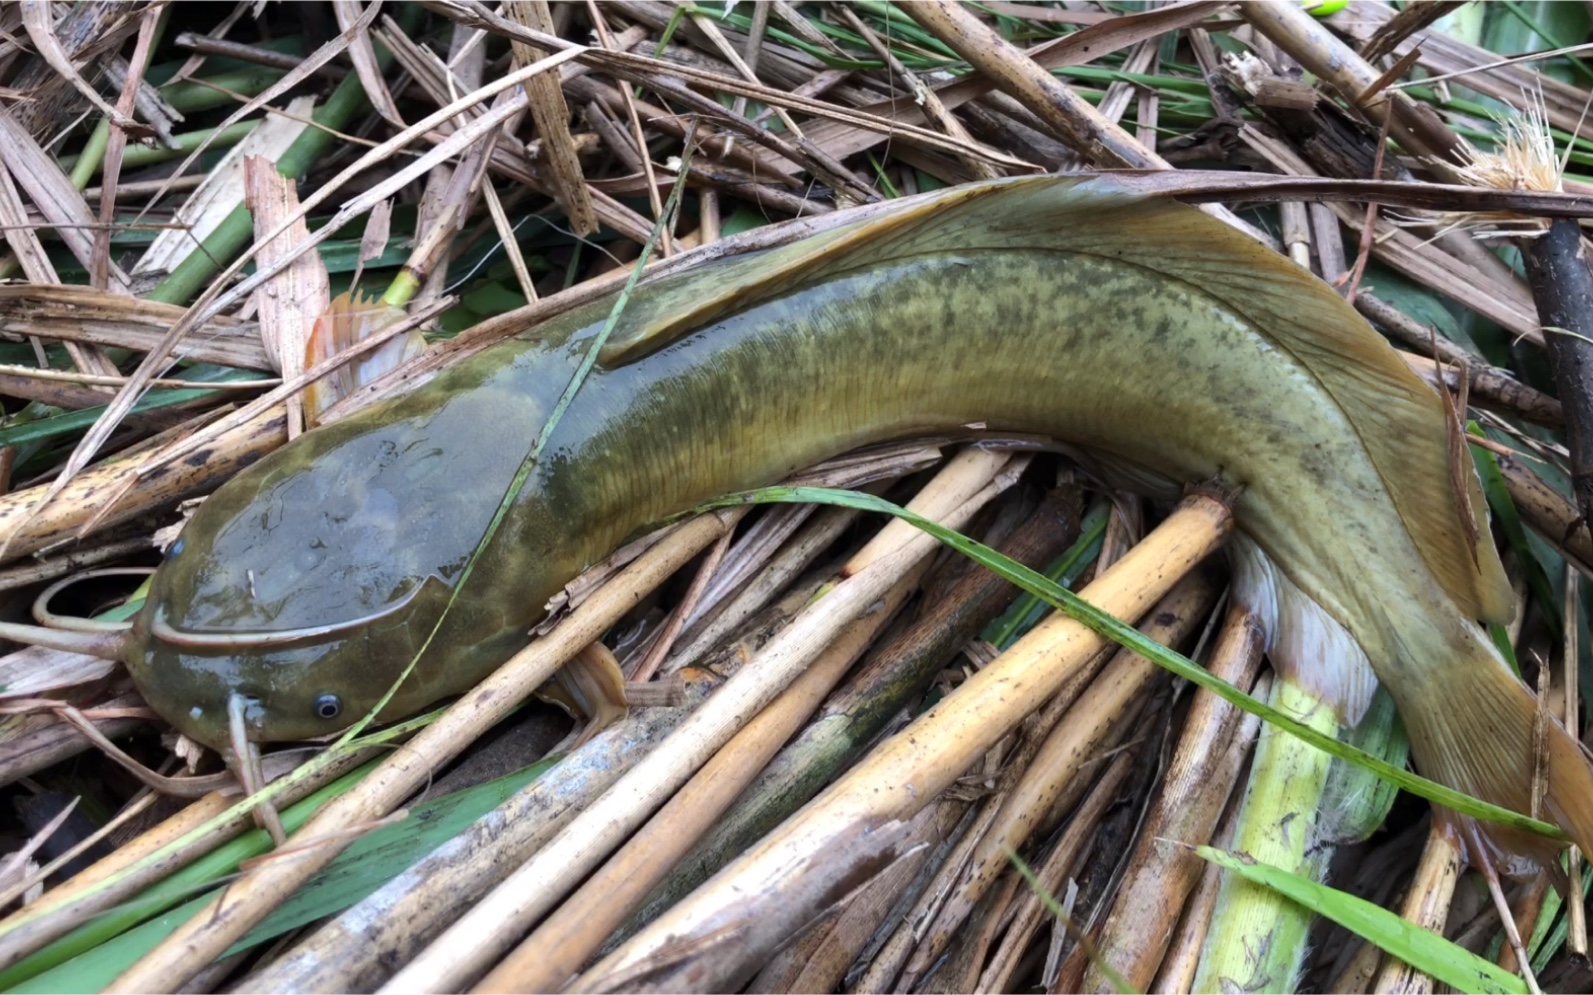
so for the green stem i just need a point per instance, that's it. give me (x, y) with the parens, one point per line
(86, 165)
(221, 90)
(1257, 937)
(237, 229)
(182, 884)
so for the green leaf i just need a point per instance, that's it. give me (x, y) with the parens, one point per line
(1428, 952)
(1027, 609)
(375, 859)
(154, 400)
(1125, 635)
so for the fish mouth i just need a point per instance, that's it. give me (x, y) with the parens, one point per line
(217, 641)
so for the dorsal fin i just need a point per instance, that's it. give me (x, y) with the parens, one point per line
(684, 302)
(1398, 418)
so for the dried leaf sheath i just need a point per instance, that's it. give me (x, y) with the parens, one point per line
(352, 318)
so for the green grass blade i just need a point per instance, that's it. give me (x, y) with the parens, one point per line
(1126, 635)
(1428, 952)
(1060, 914)
(375, 859)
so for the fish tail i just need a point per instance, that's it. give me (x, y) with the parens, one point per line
(1476, 728)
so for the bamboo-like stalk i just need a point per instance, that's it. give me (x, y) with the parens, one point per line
(822, 963)
(961, 968)
(31, 524)
(1182, 959)
(911, 768)
(1092, 724)
(558, 948)
(1415, 126)
(355, 951)
(1069, 115)
(1357, 976)
(890, 679)
(1002, 973)
(953, 819)
(1257, 937)
(1548, 513)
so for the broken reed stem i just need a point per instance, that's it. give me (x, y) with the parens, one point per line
(1415, 126)
(1548, 513)
(1426, 904)
(820, 960)
(250, 898)
(1205, 766)
(1257, 937)
(910, 769)
(1095, 722)
(558, 948)
(29, 524)
(473, 943)
(1051, 876)
(1491, 387)
(1065, 112)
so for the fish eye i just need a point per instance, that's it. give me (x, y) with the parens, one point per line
(175, 549)
(327, 706)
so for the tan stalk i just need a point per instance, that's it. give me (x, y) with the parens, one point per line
(1095, 722)
(558, 948)
(552, 117)
(355, 951)
(1426, 903)
(471, 945)
(1196, 787)
(906, 772)
(1548, 513)
(1182, 959)
(820, 961)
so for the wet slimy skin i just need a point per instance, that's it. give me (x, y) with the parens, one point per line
(1141, 329)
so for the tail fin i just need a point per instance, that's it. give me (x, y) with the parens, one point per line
(1474, 727)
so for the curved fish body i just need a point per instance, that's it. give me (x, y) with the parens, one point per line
(1155, 337)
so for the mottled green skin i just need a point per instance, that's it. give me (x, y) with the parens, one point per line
(339, 524)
